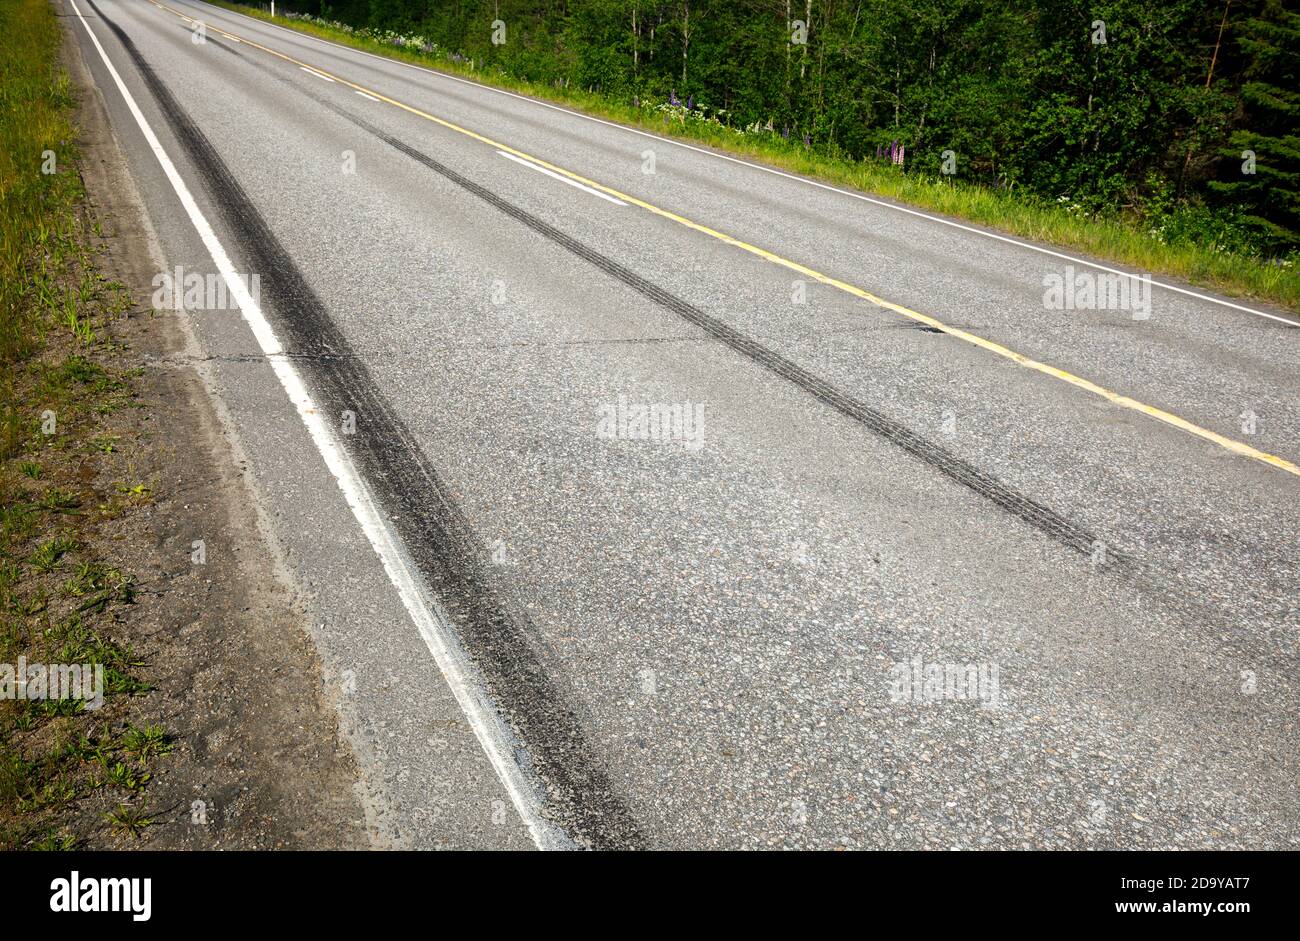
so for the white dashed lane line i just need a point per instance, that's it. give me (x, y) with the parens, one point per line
(562, 179)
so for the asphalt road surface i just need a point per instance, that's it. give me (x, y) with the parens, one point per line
(641, 497)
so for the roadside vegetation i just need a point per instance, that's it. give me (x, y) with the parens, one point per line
(1129, 141)
(60, 599)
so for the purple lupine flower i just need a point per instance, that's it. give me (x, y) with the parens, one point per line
(690, 103)
(807, 141)
(785, 132)
(902, 153)
(672, 98)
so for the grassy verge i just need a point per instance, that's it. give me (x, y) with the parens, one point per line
(1125, 240)
(60, 601)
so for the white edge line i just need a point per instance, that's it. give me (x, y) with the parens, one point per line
(424, 611)
(364, 95)
(789, 176)
(563, 179)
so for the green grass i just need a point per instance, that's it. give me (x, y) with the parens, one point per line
(39, 242)
(1123, 240)
(59, 602)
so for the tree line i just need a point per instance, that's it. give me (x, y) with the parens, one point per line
(1143, 106)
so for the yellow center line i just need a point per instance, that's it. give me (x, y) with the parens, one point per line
(1123, 401)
